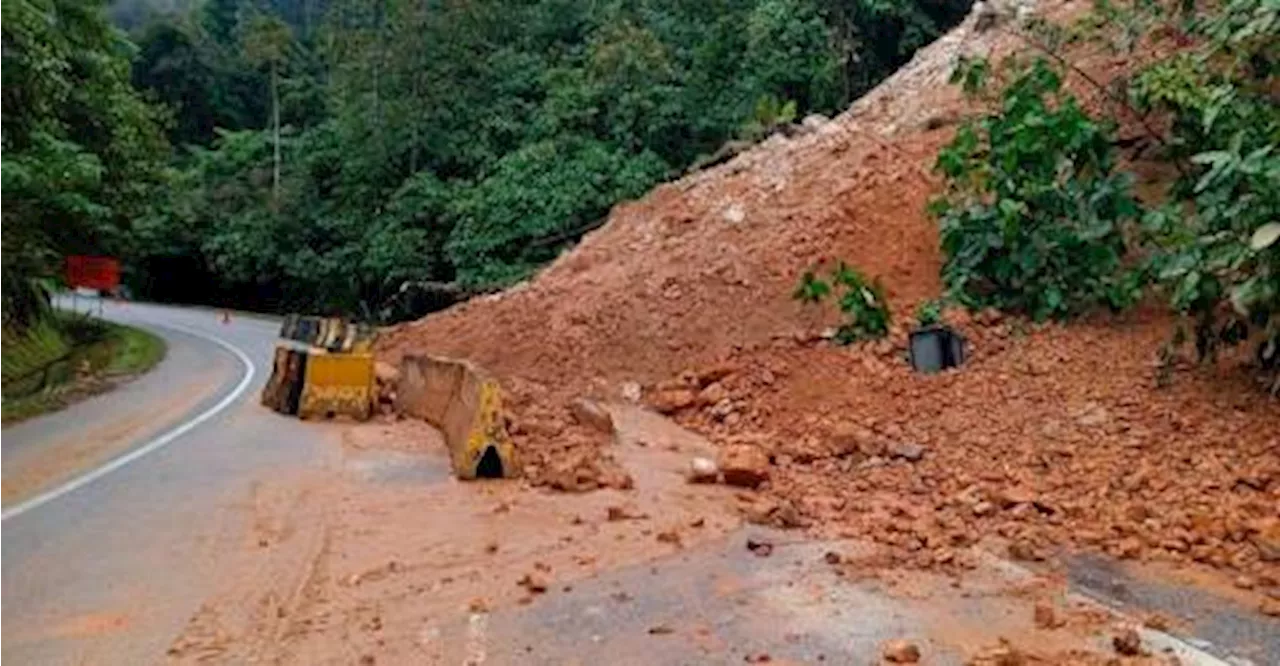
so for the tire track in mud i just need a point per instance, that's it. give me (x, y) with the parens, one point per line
(281, 548)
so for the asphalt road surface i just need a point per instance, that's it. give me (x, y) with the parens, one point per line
(103, 561)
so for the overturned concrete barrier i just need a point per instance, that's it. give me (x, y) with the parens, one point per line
(466, 405)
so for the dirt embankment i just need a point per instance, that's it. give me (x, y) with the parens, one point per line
(1050, 436)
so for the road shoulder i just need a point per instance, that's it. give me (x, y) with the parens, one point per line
(110, 354)
(44, 451)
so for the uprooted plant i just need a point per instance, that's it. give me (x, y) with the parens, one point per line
(860, 300)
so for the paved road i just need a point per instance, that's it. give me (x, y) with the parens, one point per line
(109, 571)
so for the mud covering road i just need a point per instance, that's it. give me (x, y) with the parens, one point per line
(255, 538)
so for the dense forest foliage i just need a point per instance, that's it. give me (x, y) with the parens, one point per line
(83, 152)
(323, 155)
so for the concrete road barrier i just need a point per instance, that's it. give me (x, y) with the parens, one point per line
(335, 377)
(331, 333)
(315, 383)
(466, 405)
(337, 385)
(283, 390)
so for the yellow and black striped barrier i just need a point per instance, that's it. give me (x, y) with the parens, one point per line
(466, 405)
(330, 333)
(333, 376)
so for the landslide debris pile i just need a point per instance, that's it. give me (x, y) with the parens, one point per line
(1050, 436)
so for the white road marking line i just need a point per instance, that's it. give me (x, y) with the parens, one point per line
(1162, 641)
(477, 626)
(154, 445)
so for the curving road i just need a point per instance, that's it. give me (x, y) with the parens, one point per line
(116, 509)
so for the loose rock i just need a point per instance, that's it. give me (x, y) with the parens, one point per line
(744, 465)
(788, 516)
(385, 372)
(1267, 541)
(849, 438)
(591, 414)
(901, 652)
(1127, 643)
(713, 394)
(671, 400)
(1046, 617)
(907, 451)
(1156, 621)
(1003, 654)
(534, 582)
(715, 373)
(1025, 551)
(1009, 498)
(760, 547)
(616, 513)
(703, 470)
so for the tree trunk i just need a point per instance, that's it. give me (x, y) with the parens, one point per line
(275, 129)
(413, 150)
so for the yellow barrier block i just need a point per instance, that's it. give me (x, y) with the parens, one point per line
(337, 385)
(466, 405)
(486, 450)
(284, 387)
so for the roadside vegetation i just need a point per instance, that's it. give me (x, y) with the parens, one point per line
(861, 302)
(66, 357)
(1039, 215)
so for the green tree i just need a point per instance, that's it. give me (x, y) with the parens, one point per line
(470, 141)
(1218, 238)
(266, 44)
(534, 202)
(790, 51)
(82, 150)
(1035, 213)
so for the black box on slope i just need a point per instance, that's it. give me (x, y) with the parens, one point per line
(936, 348)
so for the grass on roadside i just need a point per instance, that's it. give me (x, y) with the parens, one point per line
(68, 359)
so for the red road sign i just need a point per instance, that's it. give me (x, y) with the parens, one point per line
(101, 273)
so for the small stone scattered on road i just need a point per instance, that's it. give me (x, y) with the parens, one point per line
(703, 470)
(908, 451)
(760, 547)
(902, 652)
(534, 582)
(1127, 642)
